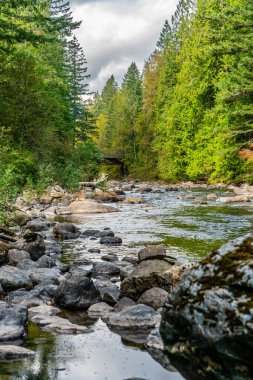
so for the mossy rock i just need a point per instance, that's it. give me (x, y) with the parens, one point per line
(207, 320)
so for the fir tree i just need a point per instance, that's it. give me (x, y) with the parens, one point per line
(166, 31)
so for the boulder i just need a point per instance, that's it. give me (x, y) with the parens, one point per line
(90, 233)
(105, 269)
(134, 200)
(207, 320)
(130, 259)
(26, 265)
(145, 188)
(148, 274)
(45, 262)
(245, 189)
(32, 243)
(122, 304)
(88, 206)
(37, 225)
(12, 321)
(45, 275)
(94, 250)
(138, 317)
(46, 200)
(110, 294)
(12, 278)
(47, 290)
(64, 327)
(236, 199)
(15, 256)
(17, 217)
(63, 268)
(44, 310)
(66, 231)
(111, 257)
(32, 302)
(110, 240)
(8, 352)
(53, 247)
(99, 309)
(154, 297)
(106, 233)
(128, 187)
(43, 320)
(77, 292)
(212, 197)
(18, 296)
(151, 252)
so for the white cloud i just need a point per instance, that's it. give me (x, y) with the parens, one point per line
(115, 33)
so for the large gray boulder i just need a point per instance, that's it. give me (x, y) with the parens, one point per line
(77, 292)
(66, 231)
(138, 317)
(12, 321)
(48, 275)
(15, 256)
(105, 269)
(37, 225)
(148, 274)
(110, 240)
(8, 352)
(207, 321)
(32, 243)
(154, 297)
(152, 252)
(110, 294)
(12, 278)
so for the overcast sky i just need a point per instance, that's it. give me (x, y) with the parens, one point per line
(115, 33)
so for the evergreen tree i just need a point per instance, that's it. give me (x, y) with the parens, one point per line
(166, 31)
(62, 18)
(76, 70)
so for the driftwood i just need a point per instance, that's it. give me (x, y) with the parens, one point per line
(7, 238)
(88, 184)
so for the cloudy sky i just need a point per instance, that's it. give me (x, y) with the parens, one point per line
(115, 33)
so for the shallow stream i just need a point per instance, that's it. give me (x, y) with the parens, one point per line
(189, 230)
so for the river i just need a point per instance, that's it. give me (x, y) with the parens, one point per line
(188, 229)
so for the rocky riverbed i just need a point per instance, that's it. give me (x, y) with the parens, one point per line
(84, 276)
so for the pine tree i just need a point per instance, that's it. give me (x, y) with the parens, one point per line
(76, 71)
(62, 18)
(166, 31)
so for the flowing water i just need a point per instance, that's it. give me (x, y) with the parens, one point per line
(187, 229)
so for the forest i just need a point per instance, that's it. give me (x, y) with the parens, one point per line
(126, 244)
(187, 116)
(45, 128)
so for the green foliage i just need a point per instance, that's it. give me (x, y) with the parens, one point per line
(190, 115)
(119, 110)
(45, 127)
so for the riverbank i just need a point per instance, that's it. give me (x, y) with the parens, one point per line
(91, 252)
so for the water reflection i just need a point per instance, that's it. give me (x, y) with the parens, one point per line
(100, 355)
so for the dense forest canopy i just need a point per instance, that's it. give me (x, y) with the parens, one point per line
(45, 127)
(189, 116)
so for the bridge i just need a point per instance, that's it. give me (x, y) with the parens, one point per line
(114, 160)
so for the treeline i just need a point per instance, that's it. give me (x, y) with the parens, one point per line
(189, 116)
(45, 127)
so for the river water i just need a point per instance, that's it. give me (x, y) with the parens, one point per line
(189, 230)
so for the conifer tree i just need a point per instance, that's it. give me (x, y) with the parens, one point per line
(76, 71)
(166, 31)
